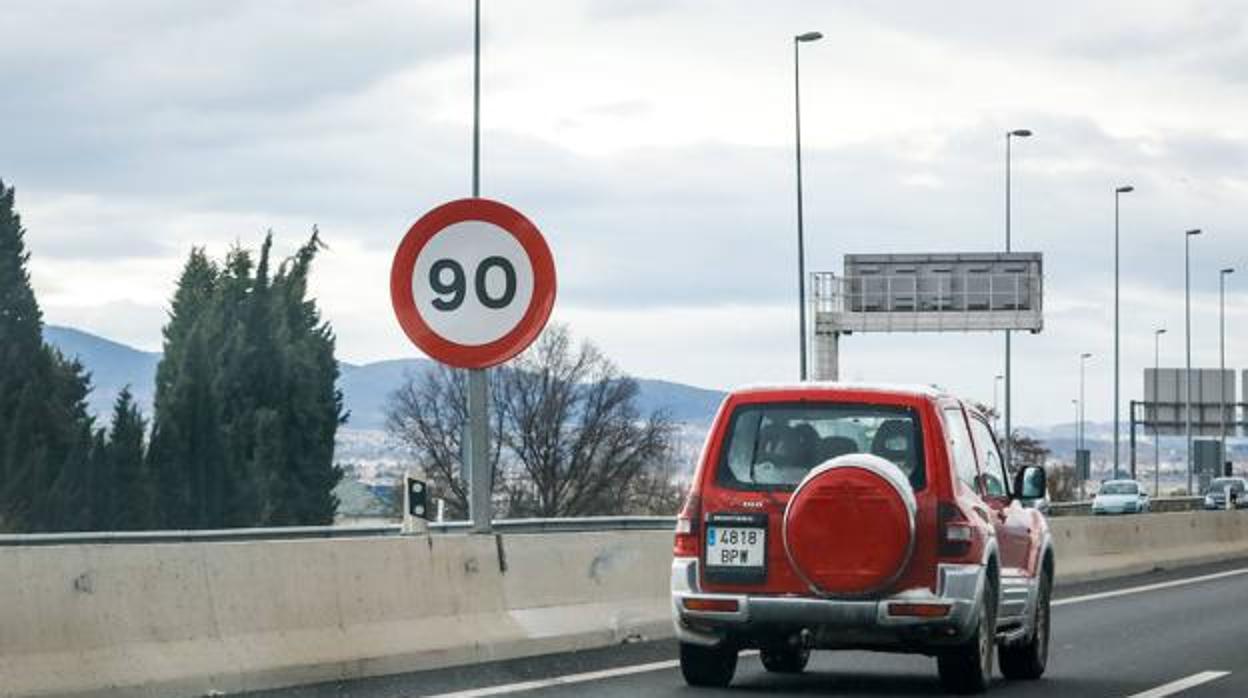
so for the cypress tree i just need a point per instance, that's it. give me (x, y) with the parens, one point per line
(45, 433)
(242, 486)
(313, 403)
(185, 450)
(254, 372)
(130, 492)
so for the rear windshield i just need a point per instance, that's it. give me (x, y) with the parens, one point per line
(1120, 488)
(773, 446)
(1220, 485)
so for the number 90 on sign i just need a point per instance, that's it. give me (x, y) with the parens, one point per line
(472, 283)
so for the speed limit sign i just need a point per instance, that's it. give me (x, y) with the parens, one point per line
(473, 283)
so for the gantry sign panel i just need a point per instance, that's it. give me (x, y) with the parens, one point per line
(946, 292)
(1165, 399)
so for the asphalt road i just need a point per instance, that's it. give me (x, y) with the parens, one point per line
(1136, 636)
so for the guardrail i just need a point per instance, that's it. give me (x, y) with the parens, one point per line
(568, 525)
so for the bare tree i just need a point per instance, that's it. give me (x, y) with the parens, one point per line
(566, 436)
(572, 426)
(660, 488)
(427, 414)
(1027, 451)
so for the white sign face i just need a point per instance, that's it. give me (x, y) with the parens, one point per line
(472, 283)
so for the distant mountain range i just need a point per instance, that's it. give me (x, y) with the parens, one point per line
(365, 388)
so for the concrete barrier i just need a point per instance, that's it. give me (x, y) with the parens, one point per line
(196, 618)
(171, 620)
(1107, 546)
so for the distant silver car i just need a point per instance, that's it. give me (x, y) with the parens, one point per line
(1215, 497)
(1120, 497)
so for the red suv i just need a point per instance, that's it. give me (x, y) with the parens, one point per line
(834, 516)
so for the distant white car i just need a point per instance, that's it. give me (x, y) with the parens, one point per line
(1215, 498)
(1120, 497)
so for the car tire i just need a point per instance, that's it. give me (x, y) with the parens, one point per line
(967, 668)
(708, 666)
(1028, 660)
(785, 660)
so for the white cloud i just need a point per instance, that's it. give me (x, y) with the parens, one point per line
(652, 143)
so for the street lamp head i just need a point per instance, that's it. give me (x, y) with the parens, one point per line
(1228, 270)
(809, 36)
(1085, 355)
(1194, 231)
(1160, 331)
(1125, 190)
(1020, 132)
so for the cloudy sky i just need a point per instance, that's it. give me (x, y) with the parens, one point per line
(651, 140)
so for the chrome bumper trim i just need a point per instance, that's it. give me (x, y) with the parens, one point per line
(960, 586)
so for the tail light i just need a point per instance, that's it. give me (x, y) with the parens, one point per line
(956, 534)
(687, 531)
(712, 605)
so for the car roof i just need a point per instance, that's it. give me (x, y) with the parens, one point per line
(900, 389)
(1120, 481)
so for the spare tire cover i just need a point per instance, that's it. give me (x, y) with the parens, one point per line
(849, 526)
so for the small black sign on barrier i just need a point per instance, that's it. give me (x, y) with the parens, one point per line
(417, 497)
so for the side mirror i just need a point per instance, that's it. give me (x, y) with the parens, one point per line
(1031, 483)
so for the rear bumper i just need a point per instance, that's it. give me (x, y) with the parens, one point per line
(832, 623)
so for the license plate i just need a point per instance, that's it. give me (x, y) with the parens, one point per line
(735, 547)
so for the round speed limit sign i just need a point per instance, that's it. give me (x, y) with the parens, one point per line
(473, 283)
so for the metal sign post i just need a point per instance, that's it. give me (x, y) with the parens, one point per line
(473, 284)
(478, 432)
(480, 479)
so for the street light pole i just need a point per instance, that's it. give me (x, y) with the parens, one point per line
(1117, 406)
(1075, 402)
(1083, 409)
(1187, 319)
(801, 243)
(1222, 274)
(996, 406)
(1157, 411)
(1009, 435)
(1078, 474)
(480, 509)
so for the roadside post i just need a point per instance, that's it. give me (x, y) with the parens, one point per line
(415, 504)
(472, 285)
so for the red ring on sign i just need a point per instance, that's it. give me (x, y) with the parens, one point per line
(535, 316)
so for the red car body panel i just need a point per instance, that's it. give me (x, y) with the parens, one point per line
(1018, 531)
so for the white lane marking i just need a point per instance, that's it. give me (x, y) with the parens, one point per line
(1181, 685)
(568, 679)
(1149, 587)
(671, 664)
